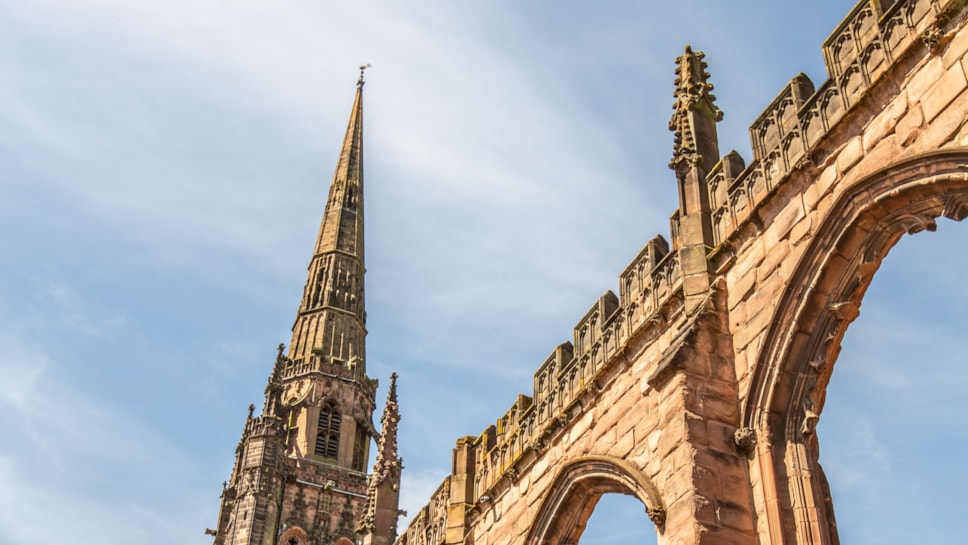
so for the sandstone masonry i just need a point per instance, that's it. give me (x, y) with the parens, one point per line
(697, 388)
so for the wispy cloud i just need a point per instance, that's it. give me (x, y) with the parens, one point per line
(72, 465)
(164, 168)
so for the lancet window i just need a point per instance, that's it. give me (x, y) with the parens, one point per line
(359, 449)
(327, 431)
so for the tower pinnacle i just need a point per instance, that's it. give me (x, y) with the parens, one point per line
(695, 151)
(378, 525)
(696, 114)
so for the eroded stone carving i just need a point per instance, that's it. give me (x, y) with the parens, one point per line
(745, 439)
(931, 37)
(692, 88)
(809, 423)
(916, 223)
(956, 208)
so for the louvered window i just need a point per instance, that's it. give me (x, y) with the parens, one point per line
(359, 448)
(327, 432)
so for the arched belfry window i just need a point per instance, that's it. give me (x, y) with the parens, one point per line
(359, 448)
(327, 432)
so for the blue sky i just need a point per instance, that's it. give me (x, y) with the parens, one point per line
(164, 167)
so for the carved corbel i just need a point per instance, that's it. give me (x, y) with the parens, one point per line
(745, 439)
(806, 164)
(931, 37)
(956, 208)
(817, 364)
(562, 418)
(915, 223)
(657, 515)
(866, 269)
(844, 310)
(473, 513)
(592, 388)
(809, 424)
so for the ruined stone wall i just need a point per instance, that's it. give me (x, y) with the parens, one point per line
(706, 412)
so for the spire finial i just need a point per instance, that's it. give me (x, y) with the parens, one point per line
(363, 68)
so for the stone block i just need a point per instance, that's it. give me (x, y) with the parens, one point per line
(786, 219)
(886, 151)
(961, 139)
(850, 154)
(956, 50)
(885, 122)
(754, 327)
(723, 535)
(942, 131)
(825, 182)
(770, 287)
(910, 126)
(681, 457)
(718, 409)
(923, 79)
(620, 447)
(734, 516)
(943, 92)
(706, 482)
(774, 257)
(696, 432)
(800, 231)
(721, 434)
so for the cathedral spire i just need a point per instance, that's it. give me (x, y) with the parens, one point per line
(300, 472)
(378, 525)
(330, 324)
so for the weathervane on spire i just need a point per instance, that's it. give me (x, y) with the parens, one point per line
(363, 68)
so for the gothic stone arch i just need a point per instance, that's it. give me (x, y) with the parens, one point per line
(823, 298)
(578, 487)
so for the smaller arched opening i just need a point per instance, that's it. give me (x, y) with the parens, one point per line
(619, 520)
(576, 491)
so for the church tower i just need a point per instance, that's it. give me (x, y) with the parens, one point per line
(300, 470)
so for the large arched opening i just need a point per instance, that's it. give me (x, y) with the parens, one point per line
(893, 428)
(793, 370)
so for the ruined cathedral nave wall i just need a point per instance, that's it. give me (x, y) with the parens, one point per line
(706, 410)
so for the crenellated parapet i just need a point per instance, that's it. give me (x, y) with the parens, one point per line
(656, 323)
(873, 36)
